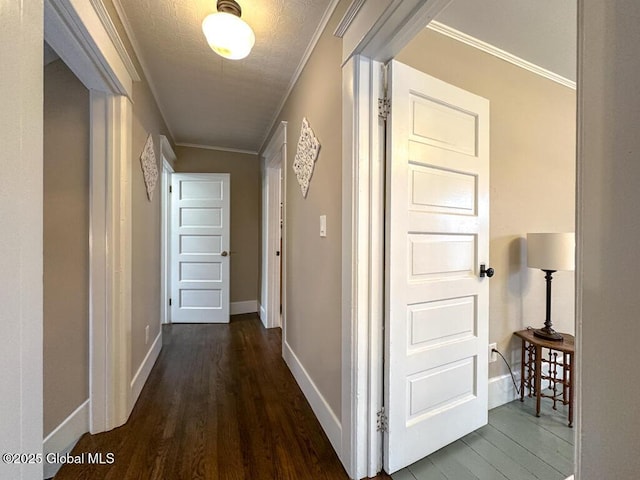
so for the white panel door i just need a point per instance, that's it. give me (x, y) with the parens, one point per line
(200, 233)
(437, 236)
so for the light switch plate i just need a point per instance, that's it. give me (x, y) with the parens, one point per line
(323, 225)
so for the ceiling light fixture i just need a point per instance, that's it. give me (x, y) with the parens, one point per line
(227, 34)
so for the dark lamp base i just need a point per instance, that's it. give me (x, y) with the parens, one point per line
(548, 333)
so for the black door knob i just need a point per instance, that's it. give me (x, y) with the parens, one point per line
(486, 272)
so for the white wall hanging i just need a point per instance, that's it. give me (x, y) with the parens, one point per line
(306, 155)
(149, 167)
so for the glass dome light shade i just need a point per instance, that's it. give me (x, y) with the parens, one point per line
(228, 35)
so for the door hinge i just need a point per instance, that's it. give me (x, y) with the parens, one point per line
(383, 420)
(384, 108)
(170, 189)
(169, 302)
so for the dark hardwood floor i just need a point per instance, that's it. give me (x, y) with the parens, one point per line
(220, 403)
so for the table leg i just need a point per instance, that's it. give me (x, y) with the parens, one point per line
(571, 390)
(565, 376)
(522, 369)
(538, 375)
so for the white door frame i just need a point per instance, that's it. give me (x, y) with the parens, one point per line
(168, 157)
(274, 161)
(84, 37)
(372, 34)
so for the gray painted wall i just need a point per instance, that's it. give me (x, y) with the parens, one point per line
(313, 264)
(21, 123)
(609, 239)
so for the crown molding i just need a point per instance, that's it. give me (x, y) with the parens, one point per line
(303, 62)
(216, 148)
(497, 52)
(108, 25)
(348, 17)
(138, 52)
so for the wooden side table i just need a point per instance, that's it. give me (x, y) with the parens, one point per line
(531, 374)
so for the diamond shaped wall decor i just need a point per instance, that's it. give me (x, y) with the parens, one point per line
(149, 167)
(306, 156)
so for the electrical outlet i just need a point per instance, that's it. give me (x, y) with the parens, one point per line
(493, 356)
(146, 335)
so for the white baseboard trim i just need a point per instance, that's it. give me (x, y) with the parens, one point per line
(65, 437)
(501, 390)
(326, 417)
(248, 306)
(141, 376)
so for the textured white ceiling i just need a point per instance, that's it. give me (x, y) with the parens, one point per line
(543, 32)
(209, 100)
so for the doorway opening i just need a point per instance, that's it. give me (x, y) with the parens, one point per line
(66, 255)
(80, 42)
(516, 96)
(272, 311)
(363, 58)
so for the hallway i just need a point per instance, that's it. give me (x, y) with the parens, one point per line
(220, 403)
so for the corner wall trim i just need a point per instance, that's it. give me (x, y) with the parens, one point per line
(328, 420)
(78, 35)
(501, 390)
(167, 151)
(248, 306)
(262, 313)
(141, 376)
(497, 52)
(65, 436)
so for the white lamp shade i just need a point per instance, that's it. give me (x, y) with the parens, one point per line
(551, 251)
(228, 35)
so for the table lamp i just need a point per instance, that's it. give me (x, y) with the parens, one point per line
(550, 252)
